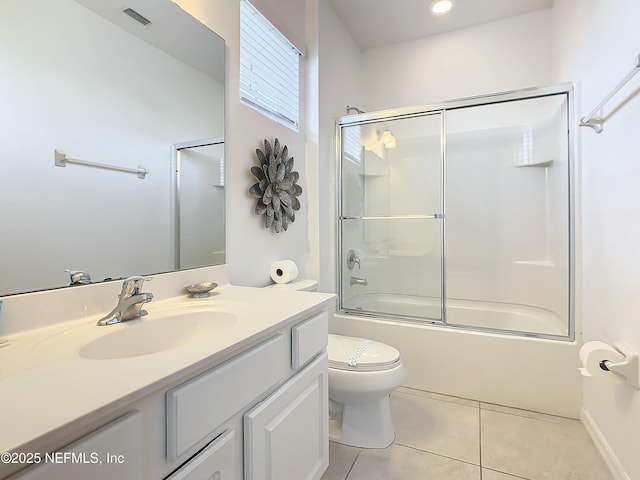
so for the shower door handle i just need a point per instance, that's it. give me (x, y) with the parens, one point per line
(438, 215)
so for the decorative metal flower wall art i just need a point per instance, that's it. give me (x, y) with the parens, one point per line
(277, 189)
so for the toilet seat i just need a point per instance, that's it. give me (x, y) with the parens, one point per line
(360, 354)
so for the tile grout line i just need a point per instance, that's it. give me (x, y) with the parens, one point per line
(480, 438)
(457, 400)
(352, 465)
(435, 454)
(518, 477)
(556, 419)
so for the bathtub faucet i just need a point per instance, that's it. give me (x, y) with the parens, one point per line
(352, 260)
(358, 281)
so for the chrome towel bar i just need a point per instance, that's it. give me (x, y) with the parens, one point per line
(595, 119)
(61, 160)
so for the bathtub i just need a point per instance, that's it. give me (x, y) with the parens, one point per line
(466, 313)
(514, 370)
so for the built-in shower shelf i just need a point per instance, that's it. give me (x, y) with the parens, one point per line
(537, 263)
(369, 174)
(545, 163)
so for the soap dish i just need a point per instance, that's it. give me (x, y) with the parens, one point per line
(201, 290)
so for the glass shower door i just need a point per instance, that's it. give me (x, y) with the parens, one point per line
(390, 228)
(508, 216)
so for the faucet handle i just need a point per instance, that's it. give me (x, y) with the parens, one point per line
(78, 277)
(352, 260)
(132, 285)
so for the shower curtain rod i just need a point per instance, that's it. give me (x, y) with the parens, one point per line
(596, 122)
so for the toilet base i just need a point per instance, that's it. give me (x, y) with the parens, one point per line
(364, 425)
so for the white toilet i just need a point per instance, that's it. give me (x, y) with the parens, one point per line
(362, 375)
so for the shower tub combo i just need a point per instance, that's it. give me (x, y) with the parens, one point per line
(455, 233)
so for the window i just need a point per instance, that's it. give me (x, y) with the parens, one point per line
(269, 68)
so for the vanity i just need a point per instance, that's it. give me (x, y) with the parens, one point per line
(233, 386)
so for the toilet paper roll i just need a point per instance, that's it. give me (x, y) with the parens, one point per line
(592, 354)
(284, 271)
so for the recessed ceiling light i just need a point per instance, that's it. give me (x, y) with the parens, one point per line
(440, 7)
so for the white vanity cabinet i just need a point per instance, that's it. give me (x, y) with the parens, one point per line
(277, 392)
(258, 413)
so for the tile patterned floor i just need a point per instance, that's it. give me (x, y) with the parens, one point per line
(447, 438)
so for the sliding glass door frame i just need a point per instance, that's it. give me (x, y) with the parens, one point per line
(566, 89)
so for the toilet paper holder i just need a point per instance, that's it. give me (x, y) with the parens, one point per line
(629, 368)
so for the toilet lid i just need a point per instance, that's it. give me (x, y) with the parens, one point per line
(352, 353)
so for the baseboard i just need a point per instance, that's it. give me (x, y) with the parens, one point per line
(610, 458)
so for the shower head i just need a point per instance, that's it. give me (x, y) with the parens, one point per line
(350, 109)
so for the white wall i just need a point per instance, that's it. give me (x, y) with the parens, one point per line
(596, 43)
(340, 81)
(498, 56)
(250, 247)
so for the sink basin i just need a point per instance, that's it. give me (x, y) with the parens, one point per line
(157, 333)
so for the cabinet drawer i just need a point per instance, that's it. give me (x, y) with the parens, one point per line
(111, 452)
(308, 339)
(196, 408)
(216, 461)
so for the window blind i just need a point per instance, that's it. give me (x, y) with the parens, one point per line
(269, 68)
(351, 144)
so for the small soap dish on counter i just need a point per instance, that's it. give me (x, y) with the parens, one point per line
(201, 290)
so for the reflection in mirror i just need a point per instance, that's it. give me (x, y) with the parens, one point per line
(78, 77)
(199, 203)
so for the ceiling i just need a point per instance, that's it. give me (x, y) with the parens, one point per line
(374, 23)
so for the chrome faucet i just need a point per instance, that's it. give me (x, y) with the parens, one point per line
(352, 260)
(130, 302)
(78, 277)
(359, 281)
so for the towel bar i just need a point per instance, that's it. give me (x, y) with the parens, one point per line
(61, 160)
(596, 122)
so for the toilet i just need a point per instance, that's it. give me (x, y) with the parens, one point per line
(362, 375)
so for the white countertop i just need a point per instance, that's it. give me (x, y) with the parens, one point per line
(46, 387)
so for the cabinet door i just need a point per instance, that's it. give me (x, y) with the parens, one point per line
(215, 462)
(286, 436)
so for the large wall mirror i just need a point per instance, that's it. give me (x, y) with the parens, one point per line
(102, 85)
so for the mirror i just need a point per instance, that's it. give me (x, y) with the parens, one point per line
(83, 78)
